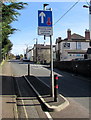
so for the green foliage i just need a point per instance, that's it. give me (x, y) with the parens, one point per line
(21, 56)
(9, 14)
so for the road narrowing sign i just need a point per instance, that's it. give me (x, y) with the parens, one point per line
(45, 23)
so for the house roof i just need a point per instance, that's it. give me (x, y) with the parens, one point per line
(42, 46)
(75, 36)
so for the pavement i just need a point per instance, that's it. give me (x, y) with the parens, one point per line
(8, 107)
(44, 94)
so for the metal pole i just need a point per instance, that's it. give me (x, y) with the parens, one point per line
(44, 8)
(36, 50)
(28, 69)
(51, 59)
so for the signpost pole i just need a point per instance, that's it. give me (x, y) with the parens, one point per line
(45, 29)
(51, 59)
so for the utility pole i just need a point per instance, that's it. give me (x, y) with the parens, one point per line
(26, 51)
(36, 50)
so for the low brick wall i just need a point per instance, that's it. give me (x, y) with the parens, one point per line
(78, 67)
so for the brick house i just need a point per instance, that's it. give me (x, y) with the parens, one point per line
(72, 47)
(41, 53)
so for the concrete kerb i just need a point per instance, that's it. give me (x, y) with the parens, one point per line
(49, 108)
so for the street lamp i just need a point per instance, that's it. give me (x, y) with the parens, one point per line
(44, 6)
(89, 6)
(85, 6)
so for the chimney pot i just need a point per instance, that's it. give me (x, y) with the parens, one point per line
(59, 38)
(69, 34)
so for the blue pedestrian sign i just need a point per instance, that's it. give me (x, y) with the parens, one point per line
(44, 18)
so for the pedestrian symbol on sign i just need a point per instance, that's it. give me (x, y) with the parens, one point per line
(48, 22)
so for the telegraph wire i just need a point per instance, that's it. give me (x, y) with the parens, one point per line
(66, 13)
(87, 2)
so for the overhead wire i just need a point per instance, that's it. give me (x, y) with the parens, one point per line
(66, 12)
(87, 2)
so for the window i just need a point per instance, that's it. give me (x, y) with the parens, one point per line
(69, 54)
(66, 45)
(79, 45)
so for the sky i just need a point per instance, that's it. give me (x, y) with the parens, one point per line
(77, 19)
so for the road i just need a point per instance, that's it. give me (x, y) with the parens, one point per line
(75, 88)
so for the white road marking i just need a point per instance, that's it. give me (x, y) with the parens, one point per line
(16, 112)
(48, 116)
(15, 108)
(41, 67)
(22, 102)
(47, 113)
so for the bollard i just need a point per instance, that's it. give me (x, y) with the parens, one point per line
(28, 69)
(55, 88)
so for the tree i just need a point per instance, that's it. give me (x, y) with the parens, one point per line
(9, 14)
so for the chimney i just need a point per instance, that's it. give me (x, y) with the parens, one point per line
(69, 34)
(59, 39)
(87, 34)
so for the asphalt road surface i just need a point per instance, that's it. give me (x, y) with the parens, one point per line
(74, 87)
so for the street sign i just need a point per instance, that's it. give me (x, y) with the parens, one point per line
(45, 31)
(44, 18)
(45, 23)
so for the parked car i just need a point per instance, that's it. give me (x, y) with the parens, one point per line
(17, 57)
(76, 59)
(26, 60)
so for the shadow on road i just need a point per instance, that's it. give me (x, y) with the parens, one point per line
(67, 87)
(13, 86)
(70, 87)
(19, 87)
(7, 85)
